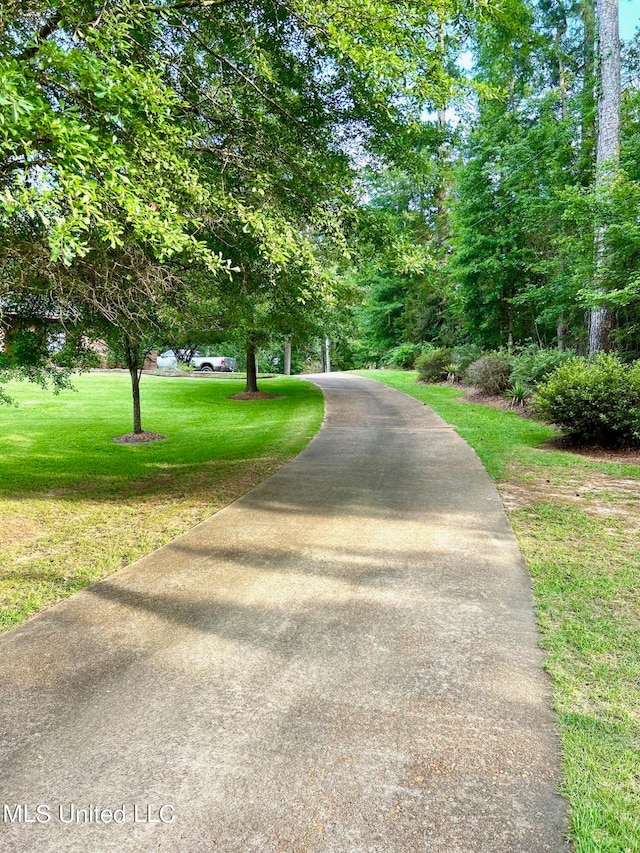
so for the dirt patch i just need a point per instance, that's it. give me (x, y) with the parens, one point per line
(16, 530)
(496, 401)
(626, 455)
(598, 494)
(138, 437)
(256, 395)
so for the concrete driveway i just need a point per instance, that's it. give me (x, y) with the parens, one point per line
(345, 660)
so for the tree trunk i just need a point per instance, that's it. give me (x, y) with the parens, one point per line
(252, 373)
(561, 31)
(135, 374)
(609, 100)
(608, 150)
(599, 329)
(135, 362)
(327, 356)
(287, 358)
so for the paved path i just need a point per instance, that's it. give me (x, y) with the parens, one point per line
(345, 660)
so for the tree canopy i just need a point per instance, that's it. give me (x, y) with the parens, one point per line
(528, 246)
(265, 159)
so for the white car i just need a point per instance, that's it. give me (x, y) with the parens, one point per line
(169, 359)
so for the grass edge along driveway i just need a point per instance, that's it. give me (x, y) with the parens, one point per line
(577, 520)
(75, 506)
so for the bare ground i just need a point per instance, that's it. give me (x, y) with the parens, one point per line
(255, 395)
(138, 437)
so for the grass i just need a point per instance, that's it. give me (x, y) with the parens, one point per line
(75, 506)
(577, 519)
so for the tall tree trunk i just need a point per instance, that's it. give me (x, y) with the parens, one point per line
(287, 358)
(608, 150)
(252, 373)
(327, 356)
(609, 99)
(561, 30)
(562, 87)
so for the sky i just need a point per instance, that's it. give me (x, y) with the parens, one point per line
(629, 17)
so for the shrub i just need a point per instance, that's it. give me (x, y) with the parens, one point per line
(433, 366)
(27, 348)
(595, 401)
(532, 365)
(464, 355)
(402, 356)
(114, 359)
(490, 373)
(74, 355)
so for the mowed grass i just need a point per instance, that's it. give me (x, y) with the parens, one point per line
(577, 519)
(75, 506)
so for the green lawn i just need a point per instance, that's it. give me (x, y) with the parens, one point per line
(75, 506)
(578, 522)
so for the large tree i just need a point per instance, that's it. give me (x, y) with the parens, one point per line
(93, 144)
(182, 127)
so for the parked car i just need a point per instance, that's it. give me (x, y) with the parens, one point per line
(219, 364)
(169, 359)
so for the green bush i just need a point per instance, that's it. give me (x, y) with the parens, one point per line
(464, 355)
(491, 373)
(114, 359)
(533, 364)
(74, 355)
(402, 356)
(595, 401)
(27, 348)
(433, 366)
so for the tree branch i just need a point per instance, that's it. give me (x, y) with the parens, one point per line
(45, 31)
(225, 61)
(5, 168)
